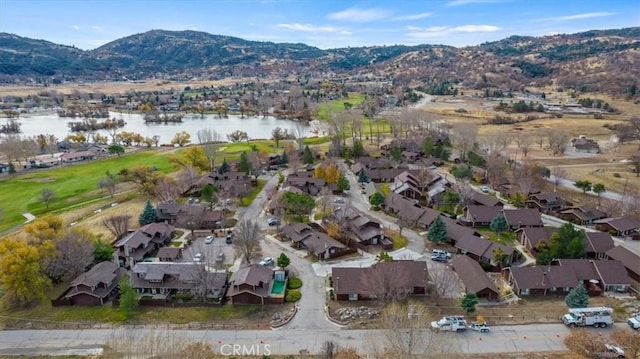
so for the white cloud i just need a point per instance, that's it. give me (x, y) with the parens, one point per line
(75, 27)
(413, 16)
(587, 15)
(439, 31)
(313, 28)
(96, 27)
(465, 2)
(359, 15)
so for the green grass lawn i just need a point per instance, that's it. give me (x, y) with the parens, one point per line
(312, 141)
(246, 201)
(332, 107)
(72, 184)
(505, 237)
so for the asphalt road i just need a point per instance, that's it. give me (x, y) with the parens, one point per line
(503, 339)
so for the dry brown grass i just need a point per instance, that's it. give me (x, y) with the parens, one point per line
(93, 222)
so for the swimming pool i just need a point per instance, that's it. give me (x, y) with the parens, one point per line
(278, 287)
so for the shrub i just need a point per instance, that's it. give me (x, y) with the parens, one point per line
(294, 283)
(293, 295)
(617, 175)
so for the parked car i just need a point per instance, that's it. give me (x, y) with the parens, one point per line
(439, 258)
(229, 239)
(634, 322)
(198, 257)
(338, 200)
(208, 240)
(484, 189)
(441, 252)
(613, 351)
(479, 327)
(267, 262)
(273, 221)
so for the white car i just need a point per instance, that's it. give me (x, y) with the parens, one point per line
(440, 252)
(267, 262)
(484, 189)
(479, 327)
(614, 351)
(208, 240)
(338, 200)
(634, 322)
(198, 257)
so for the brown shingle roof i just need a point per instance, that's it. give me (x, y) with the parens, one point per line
(485, 200)
(598, 242)
(472, 275)
(483, 213)
(537, 234)
(523, 217)
(348, 280)
(169, 252)
(622, 224)
(103, 272)
(252, 275)
(612, 272)
(630, 259)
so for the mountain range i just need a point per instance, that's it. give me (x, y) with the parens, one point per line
(598, 60)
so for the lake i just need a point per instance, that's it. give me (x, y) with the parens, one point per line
(256, 127)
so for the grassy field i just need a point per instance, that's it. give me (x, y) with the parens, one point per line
(325, 110)
(72, 184)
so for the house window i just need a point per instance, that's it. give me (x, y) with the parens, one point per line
(353, 296)
(524, 291)
(553, 289)
(567, 289)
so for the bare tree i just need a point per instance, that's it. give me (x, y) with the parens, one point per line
(558, 176)
(247, 239)
(46, 196)
(209, 139)
(192, 219)
(464, 137)
(496, 167)
(118, 225)
(329, 350)
(187, 178)
(298, 132)
(585, 343)
(72, 255)
(466, 193)
(108, 184)
(558, 141)
(495, 143)
(388, 282)
(540, 136)
(166, 190)
(523, 141)
(443, 282)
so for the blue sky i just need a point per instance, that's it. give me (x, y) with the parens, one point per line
(88, 24)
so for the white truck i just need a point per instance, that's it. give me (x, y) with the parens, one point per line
(634, 322)
(582, 317)
(450, 324)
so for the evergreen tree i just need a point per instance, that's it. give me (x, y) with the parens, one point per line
(437, 231)
(244, 165)
(377, 199)
(362, 177)
(128, 297)
(148, 215)
(358, 149)
(499, 224)
(343, 184)
(307, 156)
(427, 147)
(224, 167)
(285, 158)
(469, 302)
(577, 297)
(283, 261)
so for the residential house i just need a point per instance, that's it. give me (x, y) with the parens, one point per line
(403, 277)
(530, 237)
(77, 156)
(474, 278)
(597, 244)
(383, 175)
(597, 276)
(477, 216)
(95, 287)
(583, 216)
(256, 284)
(408, 186)
(366, 230)
(455, 231)
(411, 157)
(586, 145)
(305, 182)
(409, 212)
(319, 244)
(4, 168)
(629, 259)
(134, 246)
(167, 278)
(181, 213)
(619, 227)
(546, 202)
(231, 184)
(484, 200)
(523, 217)
(169, 254)
(483, 250)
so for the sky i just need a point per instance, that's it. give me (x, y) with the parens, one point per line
(88, 24)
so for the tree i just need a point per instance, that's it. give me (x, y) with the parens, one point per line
(21, 277)
(47, 227)
(65, 257)
(384, 257)
(358, 149)
(145, 179)
(331, 173)
(278, 134)
(167, 190)
(108, 183)
(297, 204)
(283, 261)
(462, 171)
(389, 281)
(115, 150)
(181, 138)
(102, 252)
(192, 157)
(128, 297)
(499, 224)
(577, 297)
(307, 156)
(584, 185)
(376, 199)
(224, 167)
(629, 341)
(585, 343)
(238, 136)
(567, 242)
(318, 172)
(469, 302)
(209, 139)
(343, 183)
(558, 176)
(208, 194)
(148, 215)
(118, 225)
(437, 231)
(246, 238)
(244, 165)
(362, 177)
(464, 137)
(500, 257)
(46, 196)
(599, 189)
(427, 147)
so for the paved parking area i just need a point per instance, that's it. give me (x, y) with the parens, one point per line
(210, 251)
